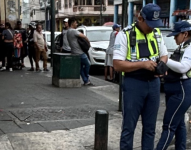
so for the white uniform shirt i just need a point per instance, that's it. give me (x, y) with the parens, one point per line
(184, 65)
(121, 47)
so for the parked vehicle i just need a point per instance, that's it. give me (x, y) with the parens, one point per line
(47, 35)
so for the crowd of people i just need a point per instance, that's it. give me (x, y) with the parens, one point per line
(17, 43)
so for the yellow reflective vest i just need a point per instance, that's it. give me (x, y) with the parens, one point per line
(147, 45)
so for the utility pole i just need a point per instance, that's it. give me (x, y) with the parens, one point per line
(123, 23)
(45, 14)
(52, 6)
(101, 2)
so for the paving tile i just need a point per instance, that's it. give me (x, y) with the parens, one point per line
(72, 124)
(35, 127)
(10, 127)
(4, 116)
(51, 126)
(87, 122)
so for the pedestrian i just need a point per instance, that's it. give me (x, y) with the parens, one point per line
(2, 27)
(40, 48)
(64, 45)
(137, 50)
(31, 48)
(72, 36)
(8, 37)
(177, 89)
(23, 33)
(109, 53)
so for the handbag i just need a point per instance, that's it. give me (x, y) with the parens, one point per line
(83, 44)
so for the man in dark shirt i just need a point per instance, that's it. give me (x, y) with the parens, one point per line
(2, 27)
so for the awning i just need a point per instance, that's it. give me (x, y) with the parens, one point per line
(180, 13)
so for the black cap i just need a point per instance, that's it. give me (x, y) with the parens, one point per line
(151, 13)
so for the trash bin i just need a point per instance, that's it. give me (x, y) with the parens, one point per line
(66, 70)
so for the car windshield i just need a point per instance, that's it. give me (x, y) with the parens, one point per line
(169, 41)
(98, 35)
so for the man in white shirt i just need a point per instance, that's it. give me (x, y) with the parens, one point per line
(40, 47)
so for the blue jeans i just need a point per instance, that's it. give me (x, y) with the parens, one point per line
(178, 100)
(139, 98)
(85, 67)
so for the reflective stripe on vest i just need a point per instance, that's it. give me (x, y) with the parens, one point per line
(142, 38)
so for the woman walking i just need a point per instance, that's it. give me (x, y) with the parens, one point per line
(31, 49)
(8, 37)
(177, 89)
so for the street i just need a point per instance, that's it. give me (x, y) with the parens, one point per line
(31, 106)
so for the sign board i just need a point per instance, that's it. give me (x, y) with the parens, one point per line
(12, 11)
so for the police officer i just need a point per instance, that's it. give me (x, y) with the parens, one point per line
(137, 49)
(177, 89)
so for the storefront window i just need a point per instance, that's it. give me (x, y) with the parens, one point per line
(110, 2)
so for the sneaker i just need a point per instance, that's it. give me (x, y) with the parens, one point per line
(2, 69)
(10, 69)
(45, 69)
(88, 83)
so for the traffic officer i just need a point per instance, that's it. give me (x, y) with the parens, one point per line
(177, 89)
(139, 50)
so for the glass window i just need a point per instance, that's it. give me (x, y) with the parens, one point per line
(66, 3)
(110, 2)
(101, 35)
(97, 2)
(89, 2)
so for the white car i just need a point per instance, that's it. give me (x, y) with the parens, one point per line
(47, 35)
(99, 37)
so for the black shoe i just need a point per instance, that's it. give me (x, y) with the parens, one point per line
(45, 69)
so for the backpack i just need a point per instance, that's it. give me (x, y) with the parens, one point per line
(83, 44)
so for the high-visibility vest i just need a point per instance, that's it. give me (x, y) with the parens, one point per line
(147, 45)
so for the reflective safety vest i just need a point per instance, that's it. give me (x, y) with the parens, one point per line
(147, 45)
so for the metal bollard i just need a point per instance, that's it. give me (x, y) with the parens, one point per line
(101, 130)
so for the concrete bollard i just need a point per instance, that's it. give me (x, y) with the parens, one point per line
(101, 130)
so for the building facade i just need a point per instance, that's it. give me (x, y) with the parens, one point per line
(171, 10)
(87, 12)
(9, 11)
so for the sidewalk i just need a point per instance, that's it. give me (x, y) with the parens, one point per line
(34, 115)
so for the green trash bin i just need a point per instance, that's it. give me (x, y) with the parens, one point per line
(66, 70)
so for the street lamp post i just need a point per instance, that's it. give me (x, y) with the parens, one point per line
(52, 29)
(45, 14)
(101, 12)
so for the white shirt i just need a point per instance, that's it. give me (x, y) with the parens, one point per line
(120, 48)
(184, 65)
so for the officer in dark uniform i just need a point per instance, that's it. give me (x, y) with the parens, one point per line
(141, 54)
(177, 89)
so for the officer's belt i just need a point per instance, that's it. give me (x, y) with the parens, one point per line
(141, 74)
